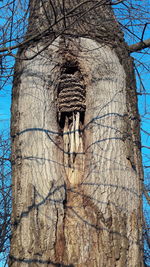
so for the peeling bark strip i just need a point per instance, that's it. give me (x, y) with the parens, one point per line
(75, 149)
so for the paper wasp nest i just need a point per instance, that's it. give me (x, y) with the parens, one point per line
(71, 90)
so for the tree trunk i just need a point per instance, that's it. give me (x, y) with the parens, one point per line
(77, 175)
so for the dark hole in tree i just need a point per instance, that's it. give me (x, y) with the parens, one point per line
(61, 120)
(70, 68)
(82, 115)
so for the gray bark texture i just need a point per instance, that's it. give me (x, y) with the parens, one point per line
(76, 159)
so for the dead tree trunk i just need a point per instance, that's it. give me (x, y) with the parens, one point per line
(77, 175)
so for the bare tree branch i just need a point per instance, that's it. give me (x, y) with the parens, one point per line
(139, 46)
(146, 195)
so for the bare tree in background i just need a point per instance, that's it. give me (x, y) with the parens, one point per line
(5, 198)
(77, 173)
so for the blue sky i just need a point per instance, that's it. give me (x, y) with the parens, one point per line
(5, 104)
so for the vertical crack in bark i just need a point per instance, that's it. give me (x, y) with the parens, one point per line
(60, 242)
(71, 108)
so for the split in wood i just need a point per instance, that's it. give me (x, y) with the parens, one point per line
(73, 148)
(71, 106)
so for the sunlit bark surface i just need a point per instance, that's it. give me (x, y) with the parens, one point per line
(76, 182)
(76, 148)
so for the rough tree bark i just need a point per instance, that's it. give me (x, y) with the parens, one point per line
(77, 175)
